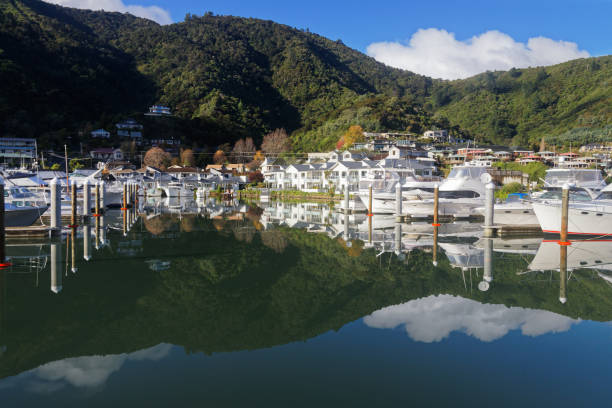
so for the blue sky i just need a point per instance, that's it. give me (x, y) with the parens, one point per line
(392, 24)
(359, 23)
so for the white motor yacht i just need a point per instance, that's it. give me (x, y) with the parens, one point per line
(417, 182)
(587, 217)
(517, 209)
(461, 192)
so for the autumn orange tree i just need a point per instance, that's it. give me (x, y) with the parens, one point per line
(157, 157)
(219, 157)
(187, 157)
(353, 135)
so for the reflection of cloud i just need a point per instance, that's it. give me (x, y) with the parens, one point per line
(88, 371)
(433, 318)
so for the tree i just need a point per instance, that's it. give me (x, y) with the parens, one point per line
(258, 158)
(276, 142)
(187, 157)
(219, 157)
(157, 157)
(255, 177)
(237, 151)
(353, 134)
(243, 149)
(75, 164)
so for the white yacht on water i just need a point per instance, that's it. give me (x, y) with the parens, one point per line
(518, 210)
(416, 180)
(592, 217)
(460, 193)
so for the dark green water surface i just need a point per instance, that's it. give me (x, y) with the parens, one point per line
(233, 311)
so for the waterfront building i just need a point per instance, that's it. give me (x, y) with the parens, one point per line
(100, 134)
(17, 151)
(106, 153)
(130, 128)
(159, 110)
(436, 135)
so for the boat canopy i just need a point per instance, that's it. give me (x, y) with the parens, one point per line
(559, 177)
(473, 172)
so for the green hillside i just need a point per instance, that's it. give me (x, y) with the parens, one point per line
(66, 72)
(526, 105)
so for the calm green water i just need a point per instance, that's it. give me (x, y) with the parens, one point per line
(241, 311)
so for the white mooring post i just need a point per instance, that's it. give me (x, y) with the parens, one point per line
(86, 200)
(102, 197)
(489, 209)
(346, 197)
(86, 241)
(56, 270)
(56, 206)
(398, 202)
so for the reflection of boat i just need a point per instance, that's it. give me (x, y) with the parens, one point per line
(526, 246)
(581, 254)
(464, 255)
(515, 210)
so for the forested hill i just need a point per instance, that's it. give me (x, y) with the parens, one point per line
(569, 101)
(64, 70)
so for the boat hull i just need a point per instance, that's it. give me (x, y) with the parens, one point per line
(22, 216)
(582, 220)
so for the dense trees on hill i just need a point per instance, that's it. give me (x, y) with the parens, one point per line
(67, 71)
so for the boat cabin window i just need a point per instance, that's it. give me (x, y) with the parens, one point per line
(605, 195)
(459, 194)
(575, 195)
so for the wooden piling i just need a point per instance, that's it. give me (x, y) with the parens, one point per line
(370, 208)
(436, 223)
(564, 215)
(124, 207)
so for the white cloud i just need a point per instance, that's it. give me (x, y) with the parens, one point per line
(433, 318)
(437, 53)
(154, 13)
(86, 372)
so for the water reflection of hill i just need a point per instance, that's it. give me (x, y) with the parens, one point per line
(243, 288)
